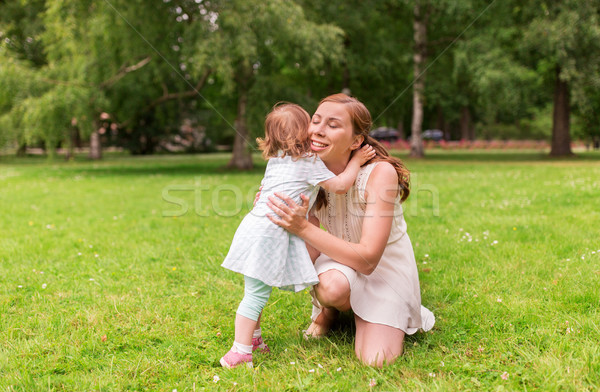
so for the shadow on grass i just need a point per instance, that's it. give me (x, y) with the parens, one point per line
(501, 156)
(198, 164)
(183, 169)
(135, 166)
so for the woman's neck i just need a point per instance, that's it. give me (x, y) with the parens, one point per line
(337, 166)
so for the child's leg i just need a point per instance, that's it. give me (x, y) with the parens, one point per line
(257, 340)
(256, 295)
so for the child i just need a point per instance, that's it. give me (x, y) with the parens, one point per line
(265, 253)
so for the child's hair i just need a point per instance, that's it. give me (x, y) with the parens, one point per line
(286, 130)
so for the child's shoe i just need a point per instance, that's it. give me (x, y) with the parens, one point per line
(234, 359)
(258, 344)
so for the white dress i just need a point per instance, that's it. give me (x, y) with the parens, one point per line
(390, 295)
(262, 250)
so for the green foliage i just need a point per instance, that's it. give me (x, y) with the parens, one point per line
(265, 50)
(567, 35)
(143, 64)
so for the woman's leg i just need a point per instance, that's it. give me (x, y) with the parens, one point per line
(377, 344)
(333, 293)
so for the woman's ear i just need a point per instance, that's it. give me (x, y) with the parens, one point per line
(358, 140)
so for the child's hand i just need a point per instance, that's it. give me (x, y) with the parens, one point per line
(257, 195)
(364, 155)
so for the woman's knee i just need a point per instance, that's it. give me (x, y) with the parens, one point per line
(376, 358)
(333, 289)
(377, 344)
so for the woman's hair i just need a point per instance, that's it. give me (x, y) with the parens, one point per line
(286, 130)
(361, 125)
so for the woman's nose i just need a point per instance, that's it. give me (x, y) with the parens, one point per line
(318, 129)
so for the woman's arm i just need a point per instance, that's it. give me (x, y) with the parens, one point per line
(377, 223)
(314, 253)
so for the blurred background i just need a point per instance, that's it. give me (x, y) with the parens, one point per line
(187, 76)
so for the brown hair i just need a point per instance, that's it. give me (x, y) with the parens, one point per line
(361, 125)
(286, 130)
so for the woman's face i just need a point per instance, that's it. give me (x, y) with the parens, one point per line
(331, 135)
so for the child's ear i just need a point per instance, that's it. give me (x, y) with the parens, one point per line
(358, 140)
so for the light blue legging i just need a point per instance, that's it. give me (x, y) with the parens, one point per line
(256, 295)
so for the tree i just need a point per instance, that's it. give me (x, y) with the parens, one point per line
(248, 41)
(421, 15)
(564, 38)
(91, 73)
(377, 61)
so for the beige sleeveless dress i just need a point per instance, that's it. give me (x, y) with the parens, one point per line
(390, 295)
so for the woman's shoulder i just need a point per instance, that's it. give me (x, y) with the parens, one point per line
(376, 176)
(380, 172)
(385, 171)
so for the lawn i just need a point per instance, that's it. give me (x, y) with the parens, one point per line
(110, 279)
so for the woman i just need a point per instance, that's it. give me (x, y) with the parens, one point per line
(365, 261)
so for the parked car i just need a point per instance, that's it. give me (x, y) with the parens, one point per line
(433, 134)
(385, 134)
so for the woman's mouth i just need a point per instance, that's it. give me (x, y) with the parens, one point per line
(317, 146)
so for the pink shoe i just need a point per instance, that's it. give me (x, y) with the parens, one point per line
(233, 359)
(258, 344)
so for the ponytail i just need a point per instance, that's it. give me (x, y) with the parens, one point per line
(382, 155)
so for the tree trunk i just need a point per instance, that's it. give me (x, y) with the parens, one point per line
(95, 144)
(561, 132)
(442, 124)
(420, 37)
(73, 142)
(472, 131)
(401, 133)
(346, 80)
(465, 123)
(242, 158)
(439, 120)
(22, 150)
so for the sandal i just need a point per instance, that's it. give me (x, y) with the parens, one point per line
(234, 359)
(259, 344)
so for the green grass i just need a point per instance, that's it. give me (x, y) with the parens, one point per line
(100, 291)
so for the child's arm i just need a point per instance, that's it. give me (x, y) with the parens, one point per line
(343, 182)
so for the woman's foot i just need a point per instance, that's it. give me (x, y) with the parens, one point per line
(321, 325)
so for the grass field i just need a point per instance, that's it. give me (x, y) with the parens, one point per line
(106, 284)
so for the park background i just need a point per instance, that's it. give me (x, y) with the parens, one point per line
(124, 129)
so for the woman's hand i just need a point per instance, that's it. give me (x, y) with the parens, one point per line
(292, 216)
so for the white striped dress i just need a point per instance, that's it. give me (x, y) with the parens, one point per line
(262, 250)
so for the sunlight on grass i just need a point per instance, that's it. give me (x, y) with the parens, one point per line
(102, 289)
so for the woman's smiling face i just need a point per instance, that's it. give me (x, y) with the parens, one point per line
(331, 134)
